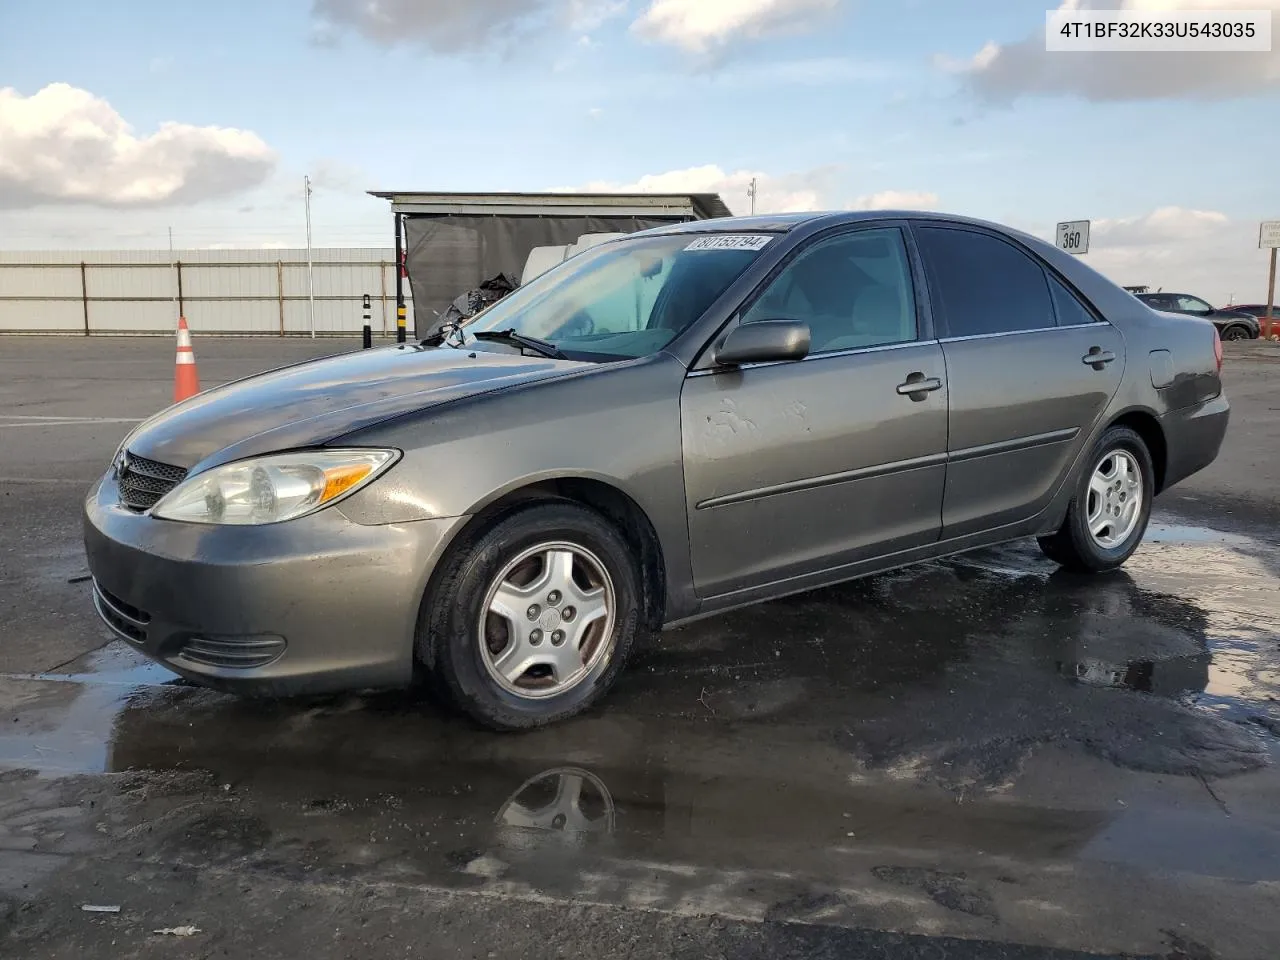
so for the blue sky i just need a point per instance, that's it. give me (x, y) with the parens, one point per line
(831, 103)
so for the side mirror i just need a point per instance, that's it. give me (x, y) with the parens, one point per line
(763, 341)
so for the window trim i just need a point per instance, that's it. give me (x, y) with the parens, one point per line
(1015, 333)
(704, 361)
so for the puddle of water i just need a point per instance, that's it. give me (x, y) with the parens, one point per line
(1184, 533)
(64, 720)
(1174, 677)
(952, 671)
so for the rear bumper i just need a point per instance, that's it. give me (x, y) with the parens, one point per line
(1193, 437)
(313, 605)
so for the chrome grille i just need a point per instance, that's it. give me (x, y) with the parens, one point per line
(143, 482)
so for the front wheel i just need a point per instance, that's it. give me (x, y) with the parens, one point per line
(1108, 516)
(1237, 332)
(531, 620)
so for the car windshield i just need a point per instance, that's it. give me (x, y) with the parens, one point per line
(625, 299)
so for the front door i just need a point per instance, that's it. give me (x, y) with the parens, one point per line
(795, 467)
(1031, 370)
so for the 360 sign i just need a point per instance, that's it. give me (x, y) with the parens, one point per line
(1073, 236)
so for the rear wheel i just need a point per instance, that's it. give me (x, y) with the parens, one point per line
(532, 619)
(1108, 515)
(1237, 332)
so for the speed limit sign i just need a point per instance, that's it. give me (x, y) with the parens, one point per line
(1073, 236)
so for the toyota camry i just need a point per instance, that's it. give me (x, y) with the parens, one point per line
(664, 427)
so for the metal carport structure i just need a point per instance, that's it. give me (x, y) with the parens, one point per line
(448, 243)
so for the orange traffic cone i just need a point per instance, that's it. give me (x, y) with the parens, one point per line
(186, 382)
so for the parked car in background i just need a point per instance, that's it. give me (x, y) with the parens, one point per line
(666, 426)
(1258, 310)
(1232, 324)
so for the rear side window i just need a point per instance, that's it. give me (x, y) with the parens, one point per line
(1071, 312)
(982, 285)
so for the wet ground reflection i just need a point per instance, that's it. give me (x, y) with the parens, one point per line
(986, 705)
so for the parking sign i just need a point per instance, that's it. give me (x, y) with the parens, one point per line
(1073, 236)
(1269, 235)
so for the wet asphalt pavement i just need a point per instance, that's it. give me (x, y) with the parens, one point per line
(979, 757)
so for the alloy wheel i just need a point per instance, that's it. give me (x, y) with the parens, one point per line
(1115, 499)
(547, 620)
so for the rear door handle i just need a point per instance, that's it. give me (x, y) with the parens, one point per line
(1097, 358)
(917, 386)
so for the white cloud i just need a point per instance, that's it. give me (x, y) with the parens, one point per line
(897, 200)
(1005, 72)
(586, 16)
(788, 193)
(1201, 252)
(329, 173)
(800, 192)
(448, 26)
(64, 145)
(702, 25)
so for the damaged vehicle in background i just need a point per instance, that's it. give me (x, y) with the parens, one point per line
(665, 426)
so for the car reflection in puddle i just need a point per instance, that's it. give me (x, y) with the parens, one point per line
(1168, 678)
(979, 711)
(565, 800)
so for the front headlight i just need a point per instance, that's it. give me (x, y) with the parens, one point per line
(272, 489)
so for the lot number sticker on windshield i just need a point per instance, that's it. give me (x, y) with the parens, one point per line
(731, 242)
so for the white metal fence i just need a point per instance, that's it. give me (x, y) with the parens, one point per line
(218, 291)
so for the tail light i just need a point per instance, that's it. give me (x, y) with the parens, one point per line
(1217, 348)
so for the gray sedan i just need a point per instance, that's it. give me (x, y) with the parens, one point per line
(664, 427)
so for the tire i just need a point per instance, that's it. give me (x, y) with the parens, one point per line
(473, 652)
(1074, 546)
(1237, 332)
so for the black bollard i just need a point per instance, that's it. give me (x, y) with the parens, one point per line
(368, 330)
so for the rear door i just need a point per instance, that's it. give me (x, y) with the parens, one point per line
(1030, 369)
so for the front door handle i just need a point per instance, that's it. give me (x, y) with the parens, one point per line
(917, 386)
(1097, 358)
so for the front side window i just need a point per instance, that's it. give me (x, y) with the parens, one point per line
(625, 299)
(1193, 305)
(853, 290)
(982, 285)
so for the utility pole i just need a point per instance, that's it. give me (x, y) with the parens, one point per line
(311, 290)
(751, 192)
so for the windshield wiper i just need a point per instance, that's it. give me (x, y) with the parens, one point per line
(441, 336)
(543, 347)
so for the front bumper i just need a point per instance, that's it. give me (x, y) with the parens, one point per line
(313, 605)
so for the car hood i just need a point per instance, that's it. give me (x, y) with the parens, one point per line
(311, 403)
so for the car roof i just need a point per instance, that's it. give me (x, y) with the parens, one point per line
(786, 222)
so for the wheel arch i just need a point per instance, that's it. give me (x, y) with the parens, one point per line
(602, 495)
(1147, 426)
